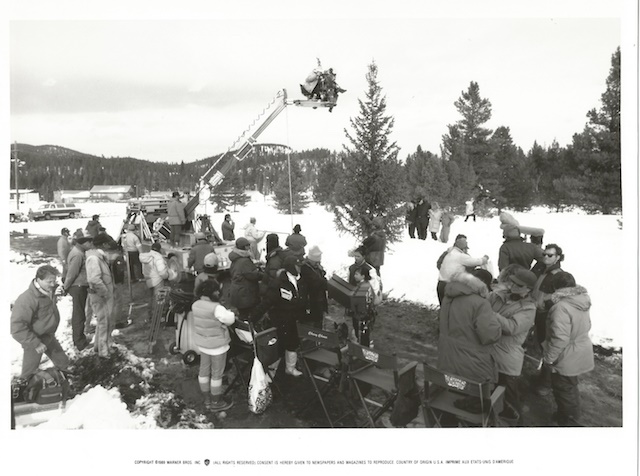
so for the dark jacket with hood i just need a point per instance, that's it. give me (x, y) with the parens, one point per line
(567, 347)
(93, 228)
(468, 328)
(245, 279)
(315, 279)
(516, 250)
(296, 243)
(275, 260)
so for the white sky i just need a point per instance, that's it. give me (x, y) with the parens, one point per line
(170, 89)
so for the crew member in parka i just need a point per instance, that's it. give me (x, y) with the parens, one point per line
(468, 328)
(516, 250)
(516, 314)
(176, 217)
(101, 293)
(286, 301)
(34, 321)
(567, 349)
(198, 251)
(245, 279)
(314, 276)
(296, 242)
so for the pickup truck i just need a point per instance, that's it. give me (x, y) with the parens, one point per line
(54, 210)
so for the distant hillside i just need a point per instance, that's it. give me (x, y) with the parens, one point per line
(49, 167)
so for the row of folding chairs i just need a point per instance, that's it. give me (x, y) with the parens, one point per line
(378, 378)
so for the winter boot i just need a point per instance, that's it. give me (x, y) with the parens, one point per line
(290, 359)
(219, 403)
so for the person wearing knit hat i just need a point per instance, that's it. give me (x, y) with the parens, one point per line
(314, 276)
(296, 242)
(210, 270)
(245, 279)
(516, 312)
(198, 251)
(286, 301)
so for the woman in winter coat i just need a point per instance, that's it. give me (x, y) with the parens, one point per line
(468, 328)
(314, 276)
(210, 320)
(286, 301)
(435, 215)
(516, 313)
(446, 220)
(275, 257)
(568, 350)
(245, 279)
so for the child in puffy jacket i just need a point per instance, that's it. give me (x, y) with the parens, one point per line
(210, 320)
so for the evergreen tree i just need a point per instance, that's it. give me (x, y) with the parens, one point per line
(426, 176)
(372, 184)
(281, 193)
(467, 141)
(597, 148)
(328, 176)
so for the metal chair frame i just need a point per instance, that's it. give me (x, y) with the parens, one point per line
(442, 389)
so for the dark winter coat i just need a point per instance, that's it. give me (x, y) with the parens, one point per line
(411, 214)
(422, 213)
(34, 314)
(468, 330)
(283, 301)
(93, 228)
(567, 347)
(543, 288)
(275, 259)
(296, 243)
(375, 245)
(227, 231)
(175, 212)
(245, 279)
(313, 275)
(516, 250)
(197, 254)
(76, 270)
(516, 319)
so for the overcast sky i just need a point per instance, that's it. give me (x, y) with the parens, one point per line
(172, 90)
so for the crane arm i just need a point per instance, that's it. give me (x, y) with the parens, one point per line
(227, 161)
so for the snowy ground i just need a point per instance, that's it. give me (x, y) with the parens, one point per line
(593, 246)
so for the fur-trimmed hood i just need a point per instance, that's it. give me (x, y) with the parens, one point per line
(236, 254)
(576, 295)
(464, 284)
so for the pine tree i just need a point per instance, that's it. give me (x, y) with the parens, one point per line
(597, 148)
(328, 175)
(372, 184)
(426, 176)
(467, 141)
(281, 193)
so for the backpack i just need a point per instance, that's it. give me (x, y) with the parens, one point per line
(47, 386)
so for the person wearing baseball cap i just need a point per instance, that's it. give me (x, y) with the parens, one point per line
(209, 271)
(198, 251)
(516, 313)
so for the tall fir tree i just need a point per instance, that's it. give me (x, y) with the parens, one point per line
(467, 142)
(328, 175)
(283, 197)
(597, 149)
(426, 176)
(372, 184)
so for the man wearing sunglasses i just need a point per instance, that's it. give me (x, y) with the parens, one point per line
(542, 291)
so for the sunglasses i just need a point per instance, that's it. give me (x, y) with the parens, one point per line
(549, 255)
